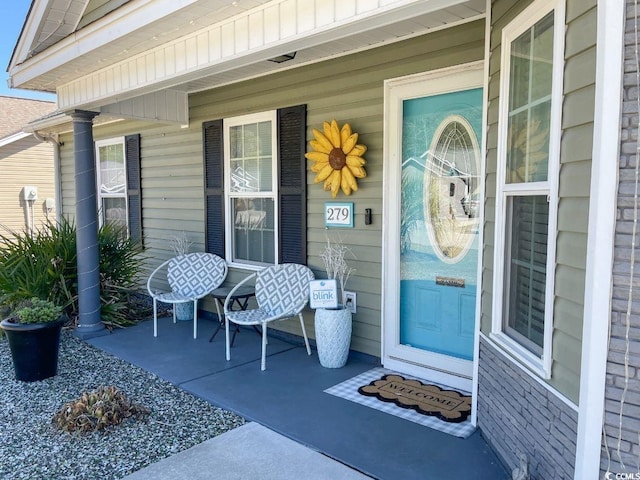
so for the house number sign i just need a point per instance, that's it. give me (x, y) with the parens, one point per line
(338, 214)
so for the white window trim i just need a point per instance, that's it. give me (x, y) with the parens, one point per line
(99, 195)
(227, 123)
(532, 14)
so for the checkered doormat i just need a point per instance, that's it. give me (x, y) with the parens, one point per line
(349, 391)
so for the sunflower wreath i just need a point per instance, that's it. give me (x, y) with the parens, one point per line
(337, 158)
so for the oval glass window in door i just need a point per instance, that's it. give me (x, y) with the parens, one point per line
(452, 189)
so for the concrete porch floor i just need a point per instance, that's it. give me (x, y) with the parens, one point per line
(288, 398)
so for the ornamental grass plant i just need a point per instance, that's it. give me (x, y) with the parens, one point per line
(42, 264)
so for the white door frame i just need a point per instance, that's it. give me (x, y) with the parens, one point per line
(444, 369)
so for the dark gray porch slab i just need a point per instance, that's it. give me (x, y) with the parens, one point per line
(288, 398)
(176, 356)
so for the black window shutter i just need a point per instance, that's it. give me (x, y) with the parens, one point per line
(292, 176)
(292, 185)
(214, 186)
(134, 186)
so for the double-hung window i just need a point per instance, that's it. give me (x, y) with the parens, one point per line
(255, 187)
(251, 200)
(528, 165)
(112, 181)
(118, 183)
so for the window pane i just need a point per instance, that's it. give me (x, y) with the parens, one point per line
(114, 211)
(526, 275)
(264, 134)
(250, 140)
(235, 142)
(520, 72)
(531, 68)
(253, 231)
(112, 170)
(528, 148)
(251, 162)
(542, 58)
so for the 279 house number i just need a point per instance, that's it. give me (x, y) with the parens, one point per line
(338, 214)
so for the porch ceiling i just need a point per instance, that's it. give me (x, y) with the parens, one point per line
(50, 30)
(124, 54)
(332, 45)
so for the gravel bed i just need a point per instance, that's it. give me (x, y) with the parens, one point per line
(32, 448)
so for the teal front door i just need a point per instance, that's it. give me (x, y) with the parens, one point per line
(432, 265)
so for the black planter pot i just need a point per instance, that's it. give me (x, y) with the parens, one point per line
(34, 348)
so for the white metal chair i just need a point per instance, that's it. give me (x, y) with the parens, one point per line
(190, 277)
(282, 291)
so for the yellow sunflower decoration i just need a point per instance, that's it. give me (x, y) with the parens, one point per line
(337, 158)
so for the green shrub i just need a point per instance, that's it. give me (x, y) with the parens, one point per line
(43, 265)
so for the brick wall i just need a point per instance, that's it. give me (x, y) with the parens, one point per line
(620, 440)
(517, 414)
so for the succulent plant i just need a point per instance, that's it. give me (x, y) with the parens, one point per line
(97, 410)
(37, 310)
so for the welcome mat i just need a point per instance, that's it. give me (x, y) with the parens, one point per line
(349, 391)
(427, 399)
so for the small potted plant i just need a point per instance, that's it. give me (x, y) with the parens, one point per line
(180, 245)
(33, 332)
(333, 325)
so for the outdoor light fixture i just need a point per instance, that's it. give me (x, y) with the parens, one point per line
(283, 58)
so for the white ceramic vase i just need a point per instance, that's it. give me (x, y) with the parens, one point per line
(333, 336)
(184, 311)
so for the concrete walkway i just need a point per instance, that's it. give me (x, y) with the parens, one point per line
(248, 452)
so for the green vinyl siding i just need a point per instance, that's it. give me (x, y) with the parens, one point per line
(171, 177)
(574, 184)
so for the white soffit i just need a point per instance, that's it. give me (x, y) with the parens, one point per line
(59, 122)
(236, 48)
(166, 106)
(137, 26)
(169, 106)
(56, 19)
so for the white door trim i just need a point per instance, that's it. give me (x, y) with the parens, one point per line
(483, 172)
(394, 355)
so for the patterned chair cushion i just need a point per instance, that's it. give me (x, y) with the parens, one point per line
(281, 291)
(250, 317)
(196, 274)
(283, 288)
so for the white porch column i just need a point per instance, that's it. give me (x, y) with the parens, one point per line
(600, 243)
